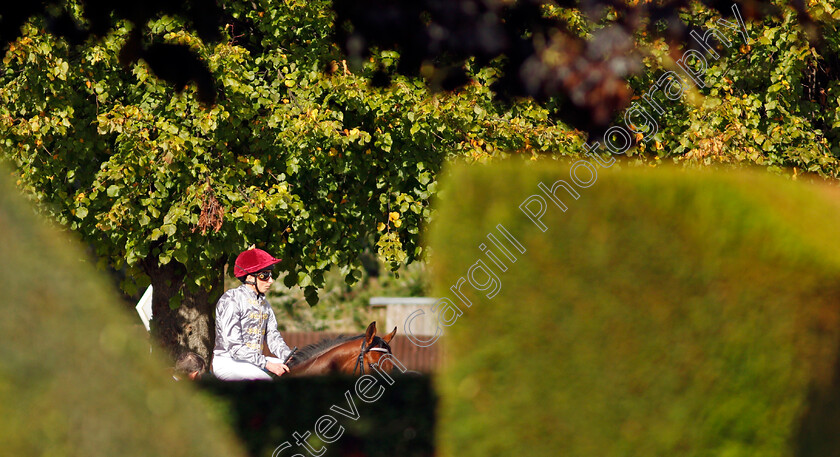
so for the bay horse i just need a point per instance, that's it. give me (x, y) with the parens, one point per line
(345, 354)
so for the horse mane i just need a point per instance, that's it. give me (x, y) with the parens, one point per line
(315, 349)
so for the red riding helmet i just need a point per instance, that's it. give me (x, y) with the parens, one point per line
(252, 261)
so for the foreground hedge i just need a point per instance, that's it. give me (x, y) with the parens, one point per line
(267, 414)
(664, 313)
(76, 379)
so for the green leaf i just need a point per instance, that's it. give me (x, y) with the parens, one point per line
(353, 277)
(311, 294)
(175, 301)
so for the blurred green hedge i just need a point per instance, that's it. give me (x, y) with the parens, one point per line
(266, 414)
(666, 313)
(76, 377)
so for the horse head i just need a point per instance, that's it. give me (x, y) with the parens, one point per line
(373, 349)
(348, 355)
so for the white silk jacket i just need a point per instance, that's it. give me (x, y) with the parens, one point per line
(243, 322)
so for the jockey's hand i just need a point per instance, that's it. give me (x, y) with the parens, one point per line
(277, 368)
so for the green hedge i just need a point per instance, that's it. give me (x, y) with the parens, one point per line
(666, 313)
(76, 376)
(266, 414)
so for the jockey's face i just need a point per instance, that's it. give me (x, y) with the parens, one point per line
(264, 280)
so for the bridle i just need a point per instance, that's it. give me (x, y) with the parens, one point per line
(360, 361)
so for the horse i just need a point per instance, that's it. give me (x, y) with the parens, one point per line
(345, 354)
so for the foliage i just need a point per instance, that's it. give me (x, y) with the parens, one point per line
(346, 308)
(666, 312)
(79, 21)
(313, 167)
(76, 377)
(534, 45)
(266, 414)
(772, 102)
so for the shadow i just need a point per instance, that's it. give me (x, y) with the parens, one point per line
(265, 415)
(819, 428)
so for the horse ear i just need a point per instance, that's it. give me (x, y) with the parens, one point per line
(370, 333)
(387, 338)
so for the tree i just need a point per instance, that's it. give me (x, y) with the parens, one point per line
(314, 167)
(317, 165)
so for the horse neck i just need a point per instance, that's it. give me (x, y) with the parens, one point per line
(303, 367)
(330, 360)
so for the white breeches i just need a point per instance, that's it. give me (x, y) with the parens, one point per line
(228, 369)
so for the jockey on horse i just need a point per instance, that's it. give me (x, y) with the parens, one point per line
(244, 320)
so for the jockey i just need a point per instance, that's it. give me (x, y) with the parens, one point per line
(244, 320)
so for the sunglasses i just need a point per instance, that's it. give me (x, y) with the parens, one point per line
(264, 275)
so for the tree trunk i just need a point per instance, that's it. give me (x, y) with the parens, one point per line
(191, 325)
